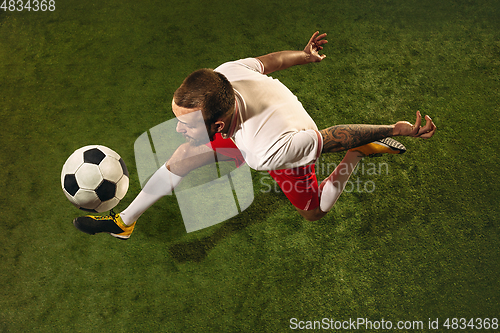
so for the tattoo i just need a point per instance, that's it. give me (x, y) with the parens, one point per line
(344, 137)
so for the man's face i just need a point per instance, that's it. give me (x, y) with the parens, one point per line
(192, 125)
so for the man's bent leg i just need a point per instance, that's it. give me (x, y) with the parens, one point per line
(332, 187)
(311, 215)
(159, 185)
(185, 159)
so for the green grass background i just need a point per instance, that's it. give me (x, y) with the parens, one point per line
(424, 244)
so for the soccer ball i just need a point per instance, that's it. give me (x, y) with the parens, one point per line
(95, 178)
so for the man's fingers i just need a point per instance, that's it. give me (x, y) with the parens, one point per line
(405, 128)
(429, 129)
(320, 42)
(428, 134)
(416, 127)
(313, 37)
(433, 130)
(319, 45)
(319, 39)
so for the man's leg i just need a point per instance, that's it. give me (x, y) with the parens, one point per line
(331, 188)
(300, 184)
(185, 159)
(159, 185)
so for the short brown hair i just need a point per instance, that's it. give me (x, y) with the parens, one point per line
(208, 90)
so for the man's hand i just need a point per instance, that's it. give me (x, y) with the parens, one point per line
(277, 61)
(404, 128)
(314, 46)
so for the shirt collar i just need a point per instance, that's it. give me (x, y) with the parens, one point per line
(235, 118)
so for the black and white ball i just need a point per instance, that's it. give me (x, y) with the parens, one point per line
(95, 178)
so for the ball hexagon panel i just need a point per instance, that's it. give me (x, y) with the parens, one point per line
(111, 169)
(122, 187)
(89, 176)
(124, 167)
(73, 163)
(86, 199)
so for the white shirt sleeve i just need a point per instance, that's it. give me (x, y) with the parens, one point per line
(252, 63)
(243, 69)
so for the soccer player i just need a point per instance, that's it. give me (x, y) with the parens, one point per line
(238, 106)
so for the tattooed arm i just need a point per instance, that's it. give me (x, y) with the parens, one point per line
(344, 137)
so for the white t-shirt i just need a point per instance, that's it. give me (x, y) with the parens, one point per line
(270, 127)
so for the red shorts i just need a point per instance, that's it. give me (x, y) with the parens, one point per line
(299, 184)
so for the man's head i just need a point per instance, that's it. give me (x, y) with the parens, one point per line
(210, 92)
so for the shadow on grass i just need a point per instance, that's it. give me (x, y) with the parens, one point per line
(197, 250)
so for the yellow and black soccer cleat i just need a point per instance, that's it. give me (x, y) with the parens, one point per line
(377, 148)
(111, 224)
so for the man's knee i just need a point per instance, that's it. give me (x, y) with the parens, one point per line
(187, 158)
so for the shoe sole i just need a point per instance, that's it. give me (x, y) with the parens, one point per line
(120, 237)
(393, 144)
(396, 146)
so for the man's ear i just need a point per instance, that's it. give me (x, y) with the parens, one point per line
(219, 125)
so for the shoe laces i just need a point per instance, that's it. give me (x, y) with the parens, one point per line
(112, 216)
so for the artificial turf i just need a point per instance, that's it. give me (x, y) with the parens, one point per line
(420, 243)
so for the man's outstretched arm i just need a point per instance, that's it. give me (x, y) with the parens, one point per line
(344, 137)
(284, 59)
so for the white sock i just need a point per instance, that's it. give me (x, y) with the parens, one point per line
(161, 183)
(336, 182)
